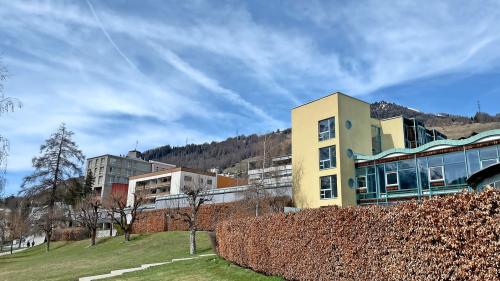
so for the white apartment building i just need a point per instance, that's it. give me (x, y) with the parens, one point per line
(167, 182)
(277, 172)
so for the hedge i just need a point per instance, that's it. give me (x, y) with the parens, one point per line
(446, 238)
(208, 216)
(70, 234)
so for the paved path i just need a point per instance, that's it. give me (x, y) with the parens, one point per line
(13, 252)
(119, 272)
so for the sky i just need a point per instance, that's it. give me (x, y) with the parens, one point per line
(122, 72)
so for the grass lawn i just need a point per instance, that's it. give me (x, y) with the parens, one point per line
(207, 268)
(70, 260)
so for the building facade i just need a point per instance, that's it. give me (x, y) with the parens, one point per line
(436, 168)
(278, 171)
(167, 182)
(329, 132)
(108, 169)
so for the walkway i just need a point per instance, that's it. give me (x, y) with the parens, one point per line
(119, 272)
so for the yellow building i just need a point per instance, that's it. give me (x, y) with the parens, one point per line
(327, 132)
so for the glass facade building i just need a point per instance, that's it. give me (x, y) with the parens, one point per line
(439, 168)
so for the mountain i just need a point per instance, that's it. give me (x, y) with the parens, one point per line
(232, 151)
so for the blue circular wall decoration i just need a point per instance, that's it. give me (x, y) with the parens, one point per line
(348, 124)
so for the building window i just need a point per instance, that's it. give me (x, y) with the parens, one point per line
(328, 187)
(391, 179)
(362, 182)
(436, 173)
(209, 182)
(326, 129)
(327, 158)
(188, 178)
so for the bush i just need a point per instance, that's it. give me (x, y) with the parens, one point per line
(70, 234)
(447, 238)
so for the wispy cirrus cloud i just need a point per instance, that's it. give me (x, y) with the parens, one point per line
(161, 72)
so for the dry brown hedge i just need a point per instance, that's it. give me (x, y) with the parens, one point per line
(208, 216)
(70, 234)
(447, 238)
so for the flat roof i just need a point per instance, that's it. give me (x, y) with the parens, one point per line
(176, 169)
(331, 94)
(122, 157)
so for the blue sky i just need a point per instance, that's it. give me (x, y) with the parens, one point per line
(161, 72)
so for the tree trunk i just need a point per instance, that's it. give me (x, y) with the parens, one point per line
(11, 245)
(92, 237)
(111, 229)
(127, 235)
(47, 237)
(20, 239)
(192, 241)
(257, 207)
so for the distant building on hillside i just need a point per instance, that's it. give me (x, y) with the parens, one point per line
(108, 169)
(277, 171)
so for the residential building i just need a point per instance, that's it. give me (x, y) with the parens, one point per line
(275, 172)
(329, 132)
(108, 169)
(167, 182)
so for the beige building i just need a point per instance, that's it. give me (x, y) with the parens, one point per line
(326, 135)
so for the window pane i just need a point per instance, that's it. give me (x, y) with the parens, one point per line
(361, 171)
(407, 164)
(435, 161)
(361, 182)
(392, 178)
(473, 161)
(332, 127)
(381, 178)
(436, 173)
(455, 173)
(455, 157)
(389, 167)
(487, 163)
(424, 173)
(325, 183)
(327, 157)
(371, 170)
(407, 179)
(326, 129)
(372, 186)
(488, 153)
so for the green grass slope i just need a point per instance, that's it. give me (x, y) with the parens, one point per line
(71, 260)
(207, 268)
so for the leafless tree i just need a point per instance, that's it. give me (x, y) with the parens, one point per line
(7, 104)
(121, 214)
(297, 173)
(196, 196)
(60, 160)
(87, 214)
(20, 223)
(4, 230)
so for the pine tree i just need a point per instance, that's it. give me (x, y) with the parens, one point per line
(59, 160)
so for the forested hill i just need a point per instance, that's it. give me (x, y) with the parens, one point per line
(222, 154)
(226, 153)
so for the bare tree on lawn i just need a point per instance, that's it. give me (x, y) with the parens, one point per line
(87, 214)
(121, 214)
(196, 193)
(59, 160)
(7, 104)
(20, 223)
(4, 227)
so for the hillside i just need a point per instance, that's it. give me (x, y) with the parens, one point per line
(229, 154)
(225, 153)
